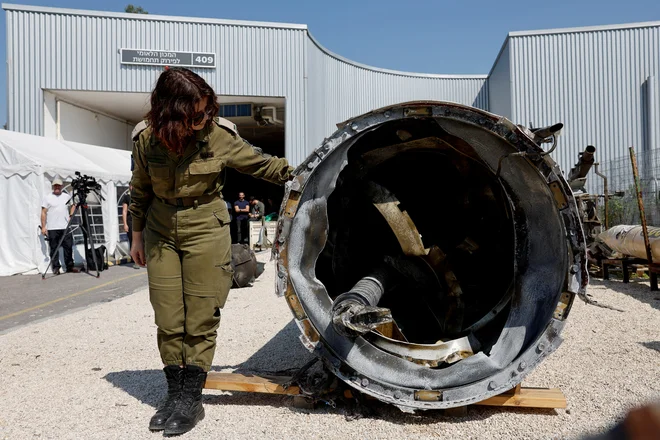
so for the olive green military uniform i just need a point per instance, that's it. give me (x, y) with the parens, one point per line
(177, 201)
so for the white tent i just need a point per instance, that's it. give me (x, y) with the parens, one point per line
(27, 165)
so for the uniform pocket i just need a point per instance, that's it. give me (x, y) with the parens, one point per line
(205, 166)
(222, 215)
(203, 175)
(226, 280)
(159, 171)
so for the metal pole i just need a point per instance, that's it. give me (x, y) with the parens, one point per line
(640, 202)
(606, 194)
(651, 125)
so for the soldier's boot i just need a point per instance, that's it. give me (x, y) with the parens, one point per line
(174, 377)
(189, 409)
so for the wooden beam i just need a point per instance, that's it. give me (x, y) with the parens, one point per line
(521, 397)
(250, 383)
(525, 397)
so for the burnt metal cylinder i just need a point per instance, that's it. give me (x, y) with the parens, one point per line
(487, 264)
(584, 164)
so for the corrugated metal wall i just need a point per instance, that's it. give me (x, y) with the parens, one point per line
(594, 81)
(78, 50)
(74, 51)
(499, 84)
(602, 84)
(338, 89)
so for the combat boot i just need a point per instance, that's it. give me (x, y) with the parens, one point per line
(174, 377)
(189, 409)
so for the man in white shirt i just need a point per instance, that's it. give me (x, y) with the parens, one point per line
(55, 215)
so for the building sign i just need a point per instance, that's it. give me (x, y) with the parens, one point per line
(148, 57)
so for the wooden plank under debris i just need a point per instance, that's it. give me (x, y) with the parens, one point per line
(521, 397)
(524, 397)
(250, 383)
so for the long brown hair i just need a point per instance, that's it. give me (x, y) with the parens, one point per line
(173, 106)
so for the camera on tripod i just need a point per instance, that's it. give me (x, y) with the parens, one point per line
(84, 184)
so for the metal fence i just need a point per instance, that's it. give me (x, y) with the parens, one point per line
(623, 208)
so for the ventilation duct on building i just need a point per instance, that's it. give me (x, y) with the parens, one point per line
(270, 120)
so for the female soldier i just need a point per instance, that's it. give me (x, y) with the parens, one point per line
(179, 155)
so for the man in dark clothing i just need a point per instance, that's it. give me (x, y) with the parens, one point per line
(242, 209)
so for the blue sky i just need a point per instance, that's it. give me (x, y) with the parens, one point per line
(451, 37)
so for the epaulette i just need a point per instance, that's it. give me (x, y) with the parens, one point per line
(226, 124)
(135, 134)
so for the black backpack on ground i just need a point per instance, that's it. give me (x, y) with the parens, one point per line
(244, 263)
(101, 257)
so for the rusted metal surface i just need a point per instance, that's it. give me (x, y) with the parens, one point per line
(578, 174)
(309, 331)
(392, 331)
(294, 303)
(562, 306)
(430, 355)
(560, 199)
(399, 221)
(642, 215)
(640, 203)
(291, 204)
(428, 395)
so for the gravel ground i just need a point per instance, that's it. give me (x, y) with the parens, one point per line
(95, 374)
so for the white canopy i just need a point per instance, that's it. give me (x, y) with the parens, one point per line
(27, 165)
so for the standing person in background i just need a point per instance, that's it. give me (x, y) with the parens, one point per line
(180, 157)
(128, 220)
(257, 209)
(55, 216)
(242, 209)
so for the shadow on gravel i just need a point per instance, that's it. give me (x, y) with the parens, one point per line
(283, 354)
(391, 414)
(376, 410)
(652, 345)
(147, 386)
(638, 290)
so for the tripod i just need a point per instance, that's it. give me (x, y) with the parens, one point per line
(88, 239)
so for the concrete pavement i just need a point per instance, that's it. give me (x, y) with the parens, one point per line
(28, 298)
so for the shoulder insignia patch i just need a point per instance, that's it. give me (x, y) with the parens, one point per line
(138, 129)
(226, 124)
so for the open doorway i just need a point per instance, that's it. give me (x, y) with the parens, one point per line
(108, 118)
(260, 121)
